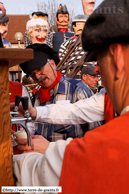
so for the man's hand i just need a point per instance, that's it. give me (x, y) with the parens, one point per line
(38, 144)
(2, 8)
(32, 110)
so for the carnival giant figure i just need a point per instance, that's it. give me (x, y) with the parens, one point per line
(4, 22)
(39, 15)
(72, 49)
(62, 20)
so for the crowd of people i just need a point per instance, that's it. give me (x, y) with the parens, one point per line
(79, 135)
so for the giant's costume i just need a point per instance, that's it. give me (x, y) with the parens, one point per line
(60, 37)
(6, 42)
(27, 40)
(74, 58)
(71, 44)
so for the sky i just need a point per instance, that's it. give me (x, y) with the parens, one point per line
(29, 6)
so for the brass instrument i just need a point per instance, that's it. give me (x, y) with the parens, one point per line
(32, 87)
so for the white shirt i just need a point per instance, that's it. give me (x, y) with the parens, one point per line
(35, 169)
(87, 110)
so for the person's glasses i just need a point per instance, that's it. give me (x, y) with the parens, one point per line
(38, 72)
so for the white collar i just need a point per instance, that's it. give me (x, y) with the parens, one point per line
(126, 109)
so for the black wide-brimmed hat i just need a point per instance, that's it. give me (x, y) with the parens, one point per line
(42, 52)
(107, 24)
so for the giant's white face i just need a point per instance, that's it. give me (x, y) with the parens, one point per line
(78, 27)
(39, 35)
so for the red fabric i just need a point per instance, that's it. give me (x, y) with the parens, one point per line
(44, 94)
(35, 90)
(16, 151)
(63, 30)
(108, 109)
(16, 89)
(98, 163)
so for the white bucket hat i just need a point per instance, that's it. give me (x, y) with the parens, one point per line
(36, 22)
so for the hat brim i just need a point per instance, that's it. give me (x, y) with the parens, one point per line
(42, 53)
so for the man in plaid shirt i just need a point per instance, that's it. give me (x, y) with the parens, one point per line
(55, 89)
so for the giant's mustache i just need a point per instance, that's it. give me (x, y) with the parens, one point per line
(63, 21)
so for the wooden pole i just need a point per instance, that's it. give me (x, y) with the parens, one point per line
(8, 58)
(6, 172)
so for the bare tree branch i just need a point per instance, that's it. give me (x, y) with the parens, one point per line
(50, 7)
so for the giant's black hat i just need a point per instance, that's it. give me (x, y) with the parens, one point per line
(62, 9)
(39, 13)
(4, 18)
(42, 53)
(107, 24)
